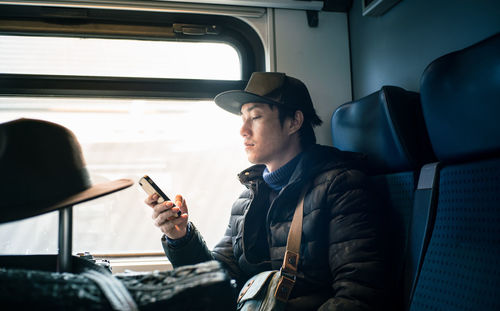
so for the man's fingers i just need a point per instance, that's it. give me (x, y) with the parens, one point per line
(170, 217)
(181, 203)
(166, 215)
(161, 208)
(167, 227)
(179, 220)
(178, 200)
(175, 228)
(151, 200)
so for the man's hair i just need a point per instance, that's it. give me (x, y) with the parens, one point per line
(306, 133)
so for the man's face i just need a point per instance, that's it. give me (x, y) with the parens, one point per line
(266, 140)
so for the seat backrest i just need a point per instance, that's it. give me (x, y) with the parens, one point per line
(460, 94)
(387, 126)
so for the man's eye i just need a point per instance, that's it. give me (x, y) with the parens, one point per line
(256, 117)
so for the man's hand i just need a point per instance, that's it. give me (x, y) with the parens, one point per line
(165, 216)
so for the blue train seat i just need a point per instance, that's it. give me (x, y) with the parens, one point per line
(388, 127)
(460, 95)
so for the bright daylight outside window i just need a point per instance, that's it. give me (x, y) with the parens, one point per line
(187, 147)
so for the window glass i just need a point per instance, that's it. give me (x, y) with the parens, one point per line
(118, 58)
(188, 147)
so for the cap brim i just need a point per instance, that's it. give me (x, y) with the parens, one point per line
(233, 100)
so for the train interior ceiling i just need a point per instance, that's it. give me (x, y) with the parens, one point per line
(135, 81)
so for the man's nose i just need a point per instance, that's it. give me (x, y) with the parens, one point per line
(244, 130)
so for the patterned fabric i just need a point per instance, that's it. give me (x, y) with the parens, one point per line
(461, 269)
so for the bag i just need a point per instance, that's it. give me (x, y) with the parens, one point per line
(270, 290)
(28, 282)
(258, 293)
(203, 286)
(264, 284)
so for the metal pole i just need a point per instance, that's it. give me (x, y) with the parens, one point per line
(65, 239)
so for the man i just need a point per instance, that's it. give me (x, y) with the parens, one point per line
(341, 263)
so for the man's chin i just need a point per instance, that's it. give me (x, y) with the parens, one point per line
(251, 159)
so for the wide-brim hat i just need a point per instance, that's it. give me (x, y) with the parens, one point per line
(274, 88)
(42, 169)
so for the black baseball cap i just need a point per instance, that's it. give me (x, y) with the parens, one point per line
(274, 88)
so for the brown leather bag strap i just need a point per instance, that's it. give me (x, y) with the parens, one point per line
(291, 260)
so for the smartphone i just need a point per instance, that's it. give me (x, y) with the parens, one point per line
(150, 187)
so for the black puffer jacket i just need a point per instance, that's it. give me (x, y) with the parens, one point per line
(342, 241)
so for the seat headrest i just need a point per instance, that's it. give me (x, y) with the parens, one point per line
(460, 94)
(387, 126)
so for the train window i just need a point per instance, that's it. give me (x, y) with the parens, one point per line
(137, 106)
(118, 58)
(188, 147)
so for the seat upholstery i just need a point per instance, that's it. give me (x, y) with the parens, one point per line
(461, 106)
(388, 127)
(461, 103)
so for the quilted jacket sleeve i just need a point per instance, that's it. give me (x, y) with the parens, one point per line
(192, 251)
(356, 252)
(224, 250)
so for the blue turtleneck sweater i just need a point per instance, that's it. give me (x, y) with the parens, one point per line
(279, 178)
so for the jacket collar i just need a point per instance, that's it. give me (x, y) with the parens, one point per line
(315, 159)
(319, 158)
(253, 173)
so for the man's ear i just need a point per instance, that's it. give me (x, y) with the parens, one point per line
(296, 122)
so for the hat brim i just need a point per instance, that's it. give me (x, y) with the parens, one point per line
(94, 192)
(233, 100)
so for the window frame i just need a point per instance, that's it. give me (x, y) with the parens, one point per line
(105, 23)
